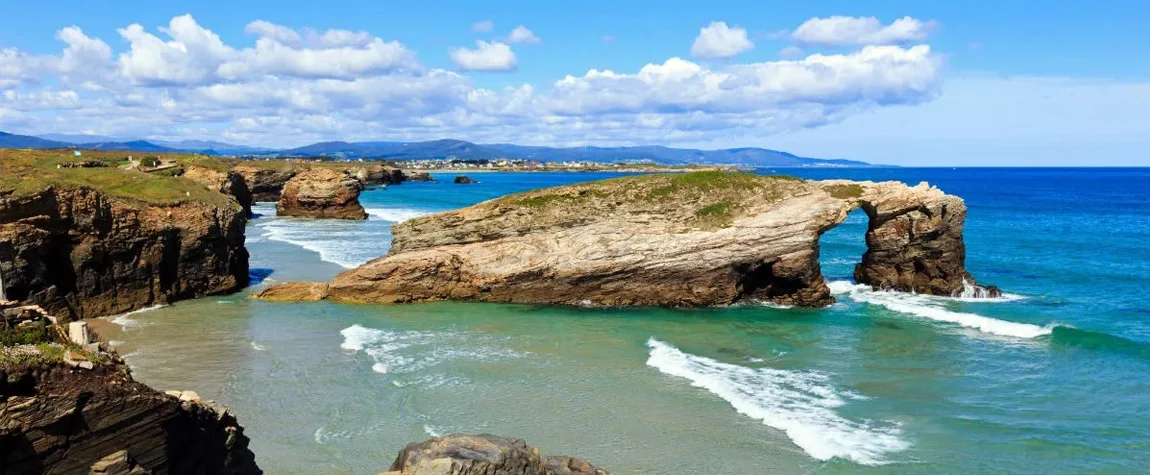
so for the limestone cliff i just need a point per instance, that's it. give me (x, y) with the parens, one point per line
(265, 183)
(226, 182)
(695, 239)
(267, 179)
(322, 193)
(484, 454)
(81, 253)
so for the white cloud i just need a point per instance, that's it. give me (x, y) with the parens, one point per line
(484, 26)
(844, 31)
(717, 40)
(523, 35)
(487, 56)
(295, 86)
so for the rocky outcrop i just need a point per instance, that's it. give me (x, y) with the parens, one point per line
(484, 454)
(696, 239)
(417, 176)
(80, 253)
(464, 180)
(322, 193)
(376, 174)
(55, 419)
(265, 183)
(226, 182)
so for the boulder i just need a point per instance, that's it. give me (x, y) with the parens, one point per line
(483, 454)
(322, 193)
(78, 333)
(464, 180)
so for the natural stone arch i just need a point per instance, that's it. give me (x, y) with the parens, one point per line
(624, 242)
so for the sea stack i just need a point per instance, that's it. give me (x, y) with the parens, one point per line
(464, 180)
(688, 240)
(322, 193)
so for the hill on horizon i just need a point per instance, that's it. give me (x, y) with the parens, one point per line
(450, 149)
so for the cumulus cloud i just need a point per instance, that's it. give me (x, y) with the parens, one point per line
(523, 35)
(487, 56)
(718, 40)
(298, 85)
(845, 31)
(484, 26)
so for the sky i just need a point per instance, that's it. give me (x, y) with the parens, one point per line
(908, 83)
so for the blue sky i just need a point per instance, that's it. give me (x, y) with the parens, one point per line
(910, 83)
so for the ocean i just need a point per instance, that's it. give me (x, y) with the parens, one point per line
(1052, 378)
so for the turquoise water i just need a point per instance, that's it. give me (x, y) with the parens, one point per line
(1053, 379)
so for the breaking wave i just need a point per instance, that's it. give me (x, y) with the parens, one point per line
(396, 215)
(933, 308)
(125, 320)
(799, 403)
(405, 352)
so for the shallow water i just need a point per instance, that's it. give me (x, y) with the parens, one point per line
(1055, 380)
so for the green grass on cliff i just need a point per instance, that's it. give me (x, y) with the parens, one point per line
(708, 199)
(23, 172)
(843, 192)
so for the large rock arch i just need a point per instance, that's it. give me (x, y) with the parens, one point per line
(692, 240)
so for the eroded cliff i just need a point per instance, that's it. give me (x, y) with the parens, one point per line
(82, 253)
(322, 193)
(695, 239)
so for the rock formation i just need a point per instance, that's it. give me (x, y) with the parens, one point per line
(322, 193)
(483, 454)
(417, 176)
(80, 253)
(464, 180)
(695, 239)
(83, 412)
(226, 182)
(376, 174)
(265, 183)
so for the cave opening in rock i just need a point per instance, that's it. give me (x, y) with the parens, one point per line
(841, 248)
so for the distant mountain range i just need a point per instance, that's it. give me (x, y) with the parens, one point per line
(441, 149)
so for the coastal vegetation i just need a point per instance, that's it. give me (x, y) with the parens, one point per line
(24, 172)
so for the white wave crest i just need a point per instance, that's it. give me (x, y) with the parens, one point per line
(405, 352)
(799, 403)
(340, 242)
(396, 215)
(125, 320)
(932, 307)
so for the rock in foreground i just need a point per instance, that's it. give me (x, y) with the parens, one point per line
(695, 239)
(322, 193)
(484, 455)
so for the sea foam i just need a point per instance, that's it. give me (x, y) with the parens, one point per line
(799, 403)
(125, 320)
(405, 352)
(933, 308)
(396, 215)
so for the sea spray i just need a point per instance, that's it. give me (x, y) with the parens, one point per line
(931, 307)
(125, 320)
(396, 215)
(799, 403)
(405, 352)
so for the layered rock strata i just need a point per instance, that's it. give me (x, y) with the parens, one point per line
(265, 183)
(484, 454)
(80, 253)
(696, 239)
(226, 182)
(322, 193)
(56, 419)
